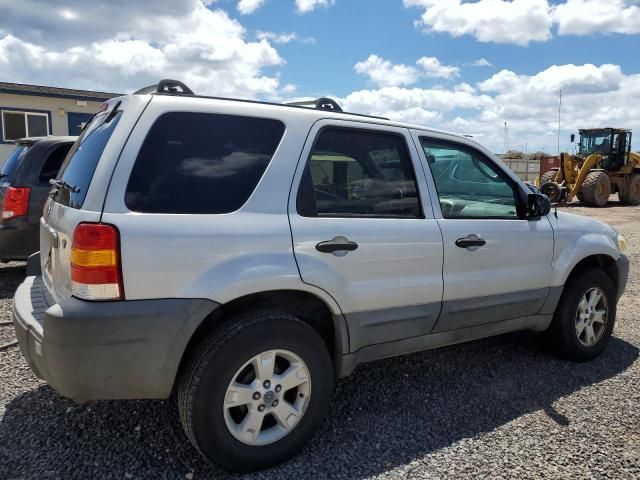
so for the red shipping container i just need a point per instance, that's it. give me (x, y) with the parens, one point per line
(548, 162)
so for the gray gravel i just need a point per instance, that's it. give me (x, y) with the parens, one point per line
(497, 408)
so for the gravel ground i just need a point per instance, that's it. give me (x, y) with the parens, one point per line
(497, 408)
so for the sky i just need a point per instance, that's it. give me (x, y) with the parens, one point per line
(462, 66)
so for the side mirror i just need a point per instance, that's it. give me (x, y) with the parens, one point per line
(573, 137)
(539, 205)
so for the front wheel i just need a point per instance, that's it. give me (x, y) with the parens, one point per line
(256, 391)
(596, 189)
(584, 319)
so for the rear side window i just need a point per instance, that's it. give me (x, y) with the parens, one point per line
(12, 162)
(81, 162)
(201, 163)
(359, 173)
(53, 163)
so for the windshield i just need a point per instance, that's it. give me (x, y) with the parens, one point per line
(595, 142)
(13, 161)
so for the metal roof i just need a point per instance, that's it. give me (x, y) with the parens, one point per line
(56, 92)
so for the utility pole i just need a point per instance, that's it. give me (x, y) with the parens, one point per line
(559, 118)
(506, 138)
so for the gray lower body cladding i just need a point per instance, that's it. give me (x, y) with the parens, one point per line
(391, 332)
(105, 350)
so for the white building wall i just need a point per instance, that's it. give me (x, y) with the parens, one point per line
(58, 108)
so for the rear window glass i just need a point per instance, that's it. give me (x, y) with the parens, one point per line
(80, 164)
(53, 163)
(201, 163)
(12, 162)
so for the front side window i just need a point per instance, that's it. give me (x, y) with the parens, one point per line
(595, 141)
(469, 185)
(17, 125)
(364, 173)
(201, 163)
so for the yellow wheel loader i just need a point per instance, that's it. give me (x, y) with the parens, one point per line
(604, 164)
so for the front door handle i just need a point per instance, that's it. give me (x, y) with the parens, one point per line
(337, 245)
(472, 240)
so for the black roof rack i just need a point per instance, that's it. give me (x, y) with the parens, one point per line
(175, 87)
(322, 103)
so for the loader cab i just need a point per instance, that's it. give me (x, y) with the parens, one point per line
(613, 144)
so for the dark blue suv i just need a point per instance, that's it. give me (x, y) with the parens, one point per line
(24, 185)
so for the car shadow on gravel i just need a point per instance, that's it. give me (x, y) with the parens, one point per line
(388, 413)
(11, 275)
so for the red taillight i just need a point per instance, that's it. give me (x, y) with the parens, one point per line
(95, 262)
(16, 202)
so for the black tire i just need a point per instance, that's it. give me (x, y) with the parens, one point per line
(202, 387)
(563, 334)
(596, 189)
(549, 176)
(631, 194)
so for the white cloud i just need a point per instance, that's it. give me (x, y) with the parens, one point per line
(283, 37)
(386, 74)
(433, 68)
(383, 73)
(500, 21)
(205, 48)
(592, 96)
(575, 79)
(584, 17)
(246, 7)
(521, 22)
(305, 6)
(481, 62)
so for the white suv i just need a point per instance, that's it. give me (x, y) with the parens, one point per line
(244, 254)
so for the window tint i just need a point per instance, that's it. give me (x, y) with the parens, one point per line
(12, 162)
(201, 163)
(53, 163)
(469, 185)
(81, 162)
(359, 173)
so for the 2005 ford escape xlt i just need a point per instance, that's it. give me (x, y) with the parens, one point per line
(243, 255)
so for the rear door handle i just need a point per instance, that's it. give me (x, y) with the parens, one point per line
(337, 245)
(472, 240)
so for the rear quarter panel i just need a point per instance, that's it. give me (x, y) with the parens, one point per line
(215, 256)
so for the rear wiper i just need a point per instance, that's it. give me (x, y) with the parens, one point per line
(64, 185)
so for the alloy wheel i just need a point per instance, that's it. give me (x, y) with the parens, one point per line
(267, 397)
(591, 317)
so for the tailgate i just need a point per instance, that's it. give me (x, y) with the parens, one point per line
(79, 190)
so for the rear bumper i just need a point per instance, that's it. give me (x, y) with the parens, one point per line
(18, 239)
(623, 273)
(105, 350)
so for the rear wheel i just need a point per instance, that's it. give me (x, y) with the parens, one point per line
(256, 390)
(584, 318)
(596, 189)
(631, 195)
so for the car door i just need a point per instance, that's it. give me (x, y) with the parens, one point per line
(363, 230)
(497, 264)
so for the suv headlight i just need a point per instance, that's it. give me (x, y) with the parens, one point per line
(622, 243)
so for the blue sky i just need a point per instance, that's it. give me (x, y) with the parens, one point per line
(411, 60)
(350, 30)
